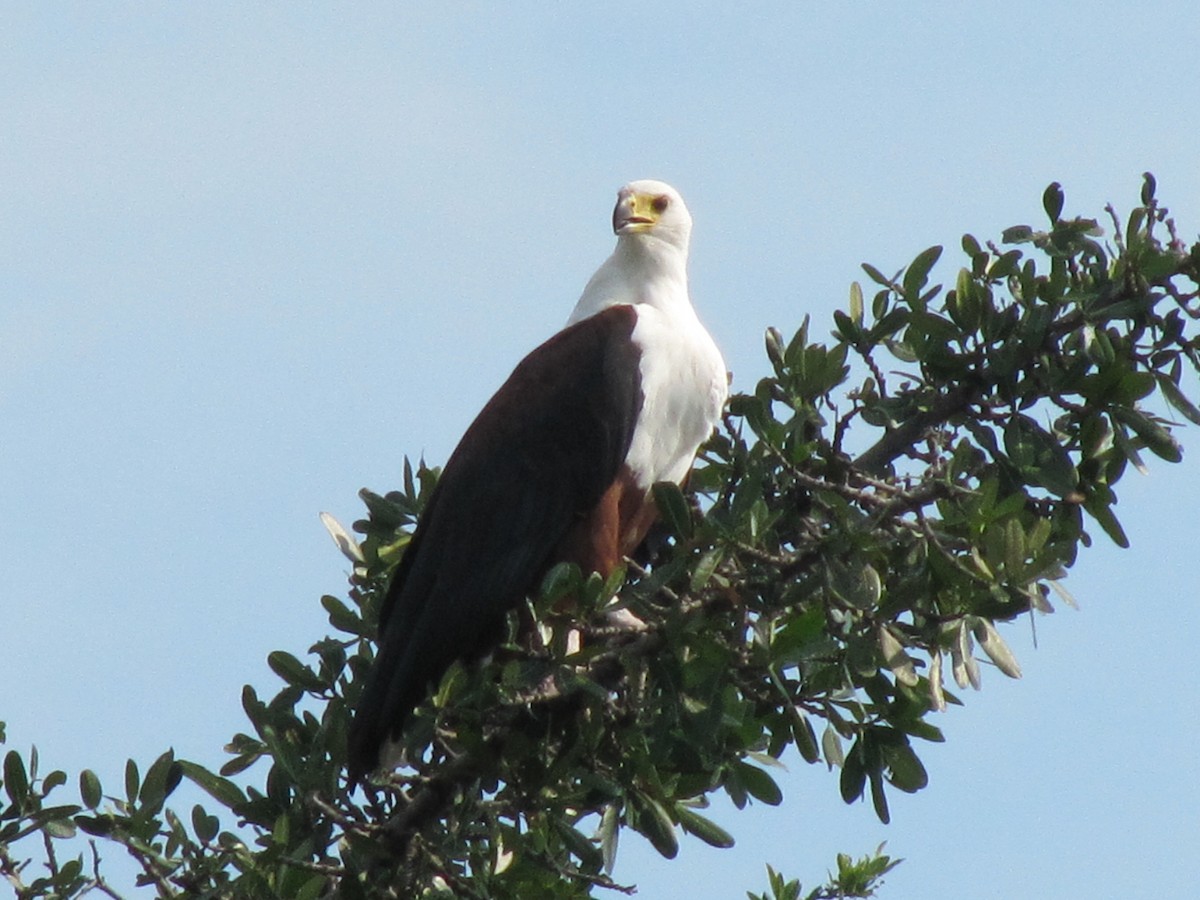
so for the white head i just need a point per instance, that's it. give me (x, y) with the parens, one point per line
(649, 211)
(649, 264)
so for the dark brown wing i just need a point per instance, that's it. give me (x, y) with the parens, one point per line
(536, 459)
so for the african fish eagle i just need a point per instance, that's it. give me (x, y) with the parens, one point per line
(557, 467)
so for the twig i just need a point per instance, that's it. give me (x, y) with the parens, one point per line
(150, 867)
(598, 880)
(12, 870)
(904, 436)
(98, 882)
(332, 869)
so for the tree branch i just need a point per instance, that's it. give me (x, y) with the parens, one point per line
(877, 457)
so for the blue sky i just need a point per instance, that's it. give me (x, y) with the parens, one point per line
(251, 255)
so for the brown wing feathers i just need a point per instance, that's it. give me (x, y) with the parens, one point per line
(536, 479)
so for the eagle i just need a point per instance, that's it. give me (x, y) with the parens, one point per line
(557, 467)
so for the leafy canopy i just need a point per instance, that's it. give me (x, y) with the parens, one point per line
(833, 575)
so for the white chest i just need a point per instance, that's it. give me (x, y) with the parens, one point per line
(684, 386)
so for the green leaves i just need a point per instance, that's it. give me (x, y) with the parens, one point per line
(673, 508)
(1052, 201)
(795, 589)
(757, 783)
(16, 779)
(705, 829)
(1177, 399)
(1039, 457)
(294, 672)
(916, 276)
(89, 789)
(162, 778)
(648, 817)
(1156, 438)
(221, 789)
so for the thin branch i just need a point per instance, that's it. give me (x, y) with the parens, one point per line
(331, 869)
(901, 438)
(12, 870)
(98, 882)
(598, 880)
(153, 872)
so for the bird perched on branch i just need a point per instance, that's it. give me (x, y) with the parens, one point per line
(558, 467)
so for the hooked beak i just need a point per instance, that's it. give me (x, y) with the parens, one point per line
(634, 213)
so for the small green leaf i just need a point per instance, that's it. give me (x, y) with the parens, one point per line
(1014, 548)
(340, 616)
(963, 305)
(994, 646)
(656, 826)
(963, 663)
(703, 571)
(917, 275)
(854, 774)
(1157, 439)
(831, 745)
(563, 580)
(1149, 185)
(674, 509)
(89, 789)
(805, 737)
(877, 276)
(1039, 456)
(72, 868)
(1052, 201)
(1098, 346)
(937, 693)
(896, 659)
(879, 798)
(343, 539)
(775, 348)
(705, 829)
(99, 826)
(132, 781)
(16, 781)
(847, 330)
(856, 303)
(57, 823)
(580, 846)
(859, 587)
(1178, 400)
(205, 825)
(162, 778)
(221, 789)
(294, 672)
(241, 763)
(610, 834)
(907, 771)
(1006, 263)
(1100, 510)
(758, 784)
(314, 887)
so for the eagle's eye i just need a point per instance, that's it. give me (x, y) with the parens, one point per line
(660, 203)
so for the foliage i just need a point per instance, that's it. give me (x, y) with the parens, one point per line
(855, 878)
(839, 560)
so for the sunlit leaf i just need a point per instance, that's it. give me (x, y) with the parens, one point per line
(997, 650)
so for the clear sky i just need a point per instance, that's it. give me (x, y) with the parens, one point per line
(252, 255)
